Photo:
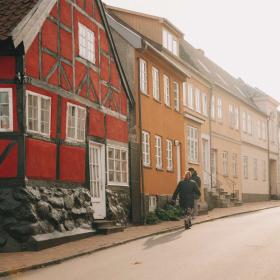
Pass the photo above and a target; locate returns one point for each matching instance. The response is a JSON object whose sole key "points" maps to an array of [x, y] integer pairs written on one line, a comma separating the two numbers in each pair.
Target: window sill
{"points": [[147, 166], [158, 101], [159, 169], [167, 106], [193, 162], [170, 170], [145, 94], [111, 184], [38, 135]]}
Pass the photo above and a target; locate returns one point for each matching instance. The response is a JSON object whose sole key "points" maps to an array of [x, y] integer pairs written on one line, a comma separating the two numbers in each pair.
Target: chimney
{"points": [[200, 51]]}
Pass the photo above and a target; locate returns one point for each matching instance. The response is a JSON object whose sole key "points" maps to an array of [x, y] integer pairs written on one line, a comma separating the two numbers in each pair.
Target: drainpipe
{"points": [[210, 134], [268, 153], [143, 200]]}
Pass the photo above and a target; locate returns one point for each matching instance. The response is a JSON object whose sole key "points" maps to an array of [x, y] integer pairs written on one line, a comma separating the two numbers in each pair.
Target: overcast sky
{"points": [[242, 36]]}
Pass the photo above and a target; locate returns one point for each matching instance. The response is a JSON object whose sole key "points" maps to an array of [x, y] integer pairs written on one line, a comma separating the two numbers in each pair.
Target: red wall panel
{"points": [[115, 77], [65, 13], [96, 123], [117, 129], [104, 44], [40, 159], [49, 35], [8, 168], [104, 65], [66, 48], [72, 164], [8, 67], [32, 59]]}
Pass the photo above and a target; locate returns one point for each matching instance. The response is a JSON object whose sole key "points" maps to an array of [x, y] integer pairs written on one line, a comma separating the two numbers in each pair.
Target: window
{"points": [[117, 165], [86, 43], [255, 169], [146, 148], [190, 96], [197, 101], [166, 87], [244, 121], [185, 94], [158, 150], [259, 129], [249, 124], [192, 144], [204, 105], [169, 152], [143, 76], [6, 109], [231, 116], [234, 165], [263, 131], [155, 76], [236, 120], [176, 96], [170, 42], [245, 167], [38, 113], [213, 107], [225, 163], [264, 170], [76, 122], [152, 203], [219, 108]]}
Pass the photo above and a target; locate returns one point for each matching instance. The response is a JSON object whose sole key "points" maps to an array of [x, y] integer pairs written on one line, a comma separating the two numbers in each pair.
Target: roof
{"points": [[160, 19], [220, 77], [138, 40], [11, 14]]}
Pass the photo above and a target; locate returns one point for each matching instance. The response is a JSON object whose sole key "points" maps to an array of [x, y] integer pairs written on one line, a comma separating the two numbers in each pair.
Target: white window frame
{"points": [[249, 124], [219, 108], [185, 94], [236, 118], [204, 105], [192, 142], [225, 163], [231, 115], [166, 89], [244, 121], [152, 203], [86, 43], [75, 138], [169, 154], [155, 78], [234, 165], [197, 100], [176, 92], [213, 108], [10, 97], [246, 167], [190, 97], [146, 148], [169, 41], [114, 182], [256, 169], [143, 76], [39, 113], [158, 151]]}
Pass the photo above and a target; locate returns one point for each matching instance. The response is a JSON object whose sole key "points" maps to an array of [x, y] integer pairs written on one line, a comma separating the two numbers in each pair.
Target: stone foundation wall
{"points": [[254, 197], [39, 209]]}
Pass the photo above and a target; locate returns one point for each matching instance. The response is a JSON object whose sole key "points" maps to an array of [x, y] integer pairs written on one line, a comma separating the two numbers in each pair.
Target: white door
{"points": [[97, 179], [178, 157]]}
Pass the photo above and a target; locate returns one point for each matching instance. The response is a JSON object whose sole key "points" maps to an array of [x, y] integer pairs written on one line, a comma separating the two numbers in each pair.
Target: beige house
{"points": [[230, 127]]}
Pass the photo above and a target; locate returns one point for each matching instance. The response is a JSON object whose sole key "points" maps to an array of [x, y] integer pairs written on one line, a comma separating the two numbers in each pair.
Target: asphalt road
{"points": [[242, 247]]}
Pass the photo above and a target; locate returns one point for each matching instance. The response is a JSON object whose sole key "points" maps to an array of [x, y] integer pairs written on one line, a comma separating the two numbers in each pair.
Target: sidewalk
{"points": [[15, 262]]}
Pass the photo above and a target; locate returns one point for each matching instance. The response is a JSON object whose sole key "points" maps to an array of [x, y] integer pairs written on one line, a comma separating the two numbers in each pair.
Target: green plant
{"points": [[162, 215], [152, 218]]}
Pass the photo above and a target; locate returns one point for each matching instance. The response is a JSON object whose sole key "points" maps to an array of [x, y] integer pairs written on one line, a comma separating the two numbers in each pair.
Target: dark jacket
{"points": [[187, 189], [197, 179]]}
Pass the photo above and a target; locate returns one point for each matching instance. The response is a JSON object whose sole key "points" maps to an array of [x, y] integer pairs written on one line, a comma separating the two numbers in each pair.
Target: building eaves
{"points": [[12, 13]]}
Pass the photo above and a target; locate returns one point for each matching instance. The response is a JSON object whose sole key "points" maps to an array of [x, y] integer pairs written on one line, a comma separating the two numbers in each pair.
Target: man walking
{"points": [[186, 189], [197, 179]]}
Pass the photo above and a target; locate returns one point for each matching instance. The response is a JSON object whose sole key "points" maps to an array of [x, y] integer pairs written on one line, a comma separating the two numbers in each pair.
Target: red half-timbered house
{"points": [[64, 104]]}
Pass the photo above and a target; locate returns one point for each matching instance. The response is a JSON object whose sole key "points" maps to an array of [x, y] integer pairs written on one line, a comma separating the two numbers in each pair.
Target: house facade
{"points": [[64, 122]]}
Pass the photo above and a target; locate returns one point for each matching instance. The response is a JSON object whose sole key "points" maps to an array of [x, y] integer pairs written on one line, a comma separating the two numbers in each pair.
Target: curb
{"points": [[175, 228]]}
